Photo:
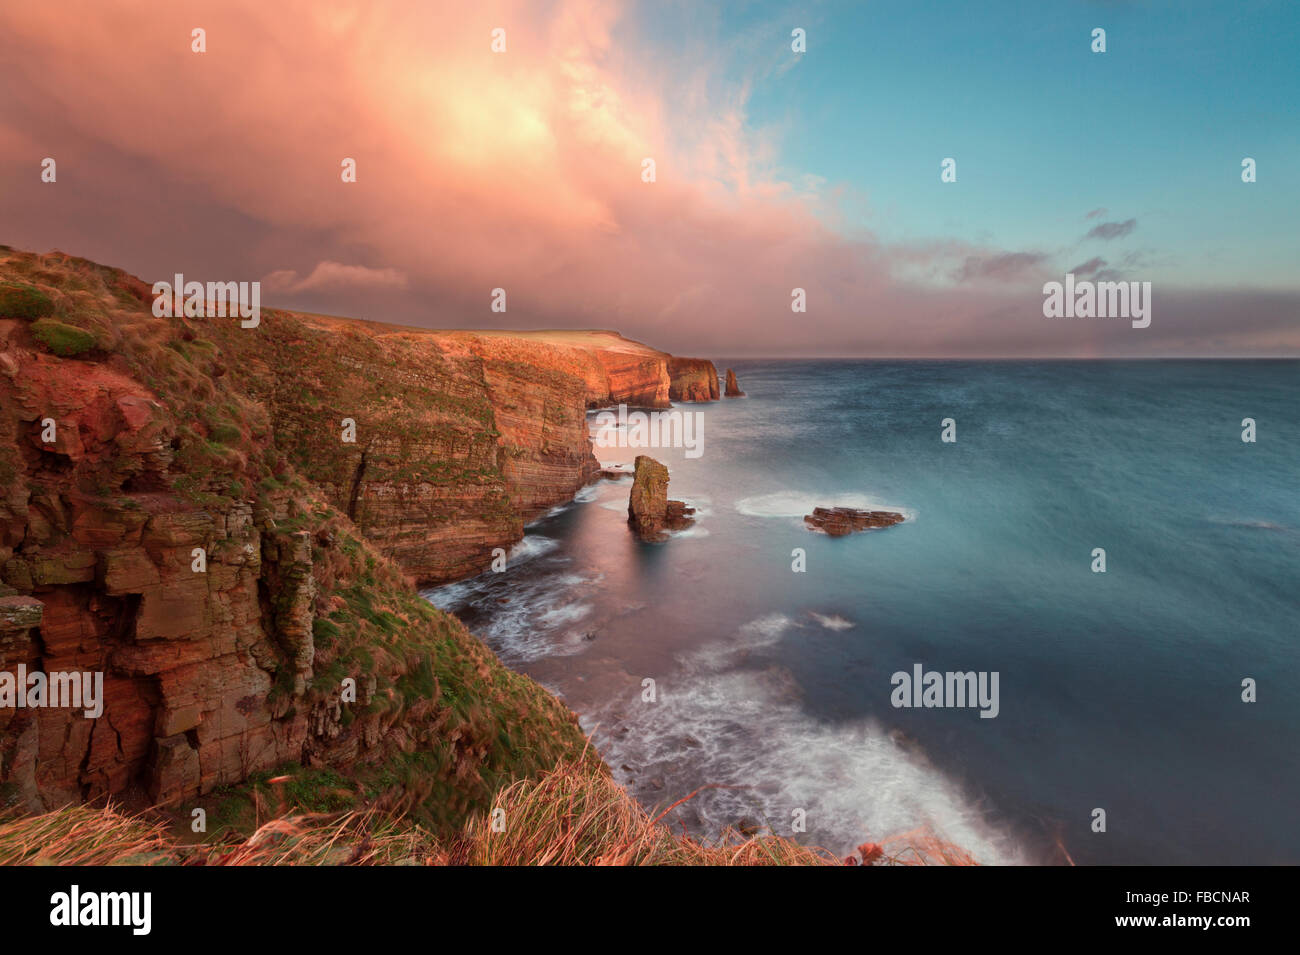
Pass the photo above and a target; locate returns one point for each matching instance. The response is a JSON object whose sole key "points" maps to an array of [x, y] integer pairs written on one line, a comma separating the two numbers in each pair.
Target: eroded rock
{"points": [[649, 510], [839, 521]]}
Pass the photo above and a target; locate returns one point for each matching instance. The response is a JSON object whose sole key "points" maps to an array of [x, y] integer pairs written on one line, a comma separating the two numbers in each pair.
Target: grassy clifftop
{"points": [[300, 643]]}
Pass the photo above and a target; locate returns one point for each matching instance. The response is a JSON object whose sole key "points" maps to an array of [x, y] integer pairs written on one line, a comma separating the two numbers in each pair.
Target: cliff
{"points": [[461, 437], [226, 522]]}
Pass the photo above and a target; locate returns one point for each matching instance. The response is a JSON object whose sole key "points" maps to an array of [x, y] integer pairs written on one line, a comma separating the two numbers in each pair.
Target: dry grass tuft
{"points": [[574, 815], [80, 835]]}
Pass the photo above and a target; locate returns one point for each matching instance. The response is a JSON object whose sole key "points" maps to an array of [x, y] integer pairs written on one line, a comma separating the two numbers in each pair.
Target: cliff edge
{"points": [[228, 523]]}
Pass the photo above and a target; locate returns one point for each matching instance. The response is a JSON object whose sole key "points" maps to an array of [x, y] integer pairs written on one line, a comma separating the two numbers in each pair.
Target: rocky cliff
{"points": [[461, 437], [225, 522]]}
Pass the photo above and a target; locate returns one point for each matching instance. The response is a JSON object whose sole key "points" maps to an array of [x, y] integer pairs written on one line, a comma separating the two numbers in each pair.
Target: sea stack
{"points": [[733, 388], [692, 379], [649, 511]]}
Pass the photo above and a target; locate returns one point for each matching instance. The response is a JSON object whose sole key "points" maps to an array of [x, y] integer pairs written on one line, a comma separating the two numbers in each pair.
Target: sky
{"points": [[774, 170]]}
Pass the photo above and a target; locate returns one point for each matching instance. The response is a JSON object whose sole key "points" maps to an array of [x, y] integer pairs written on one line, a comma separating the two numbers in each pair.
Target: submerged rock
{"points": [[839, 521], [733, 386], [649, 511]]}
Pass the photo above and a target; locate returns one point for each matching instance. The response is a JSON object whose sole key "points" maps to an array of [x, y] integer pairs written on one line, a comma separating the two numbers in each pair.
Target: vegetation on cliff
{"points": [[299, 642], [228, 523], [573, 815]]}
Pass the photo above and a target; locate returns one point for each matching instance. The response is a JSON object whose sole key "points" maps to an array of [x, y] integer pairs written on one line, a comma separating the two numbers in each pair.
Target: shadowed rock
{"points": [[733, 387]]}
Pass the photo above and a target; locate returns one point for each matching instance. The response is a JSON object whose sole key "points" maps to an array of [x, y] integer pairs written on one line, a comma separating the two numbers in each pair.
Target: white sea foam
{"points": [[743, 730], [532, 545], [758, 634], [688, 532], [832, 621], [565, 614]]}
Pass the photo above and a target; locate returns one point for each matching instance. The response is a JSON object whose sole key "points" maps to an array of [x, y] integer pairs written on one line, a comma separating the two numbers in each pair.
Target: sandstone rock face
{"points": [[181, 516], [839, 521], [733, 387], [692, 379], [212, 560], [111, 589], [649, 510], [489, 433]]}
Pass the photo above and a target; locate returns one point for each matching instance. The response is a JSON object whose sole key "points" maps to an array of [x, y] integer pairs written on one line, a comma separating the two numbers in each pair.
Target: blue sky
{"points": [[1043, 129]]}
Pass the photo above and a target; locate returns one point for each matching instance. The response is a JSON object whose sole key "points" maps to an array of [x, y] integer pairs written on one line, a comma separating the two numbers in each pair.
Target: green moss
{"points": [[324, 632], [66, 341], [20, 300], [227, 434]]}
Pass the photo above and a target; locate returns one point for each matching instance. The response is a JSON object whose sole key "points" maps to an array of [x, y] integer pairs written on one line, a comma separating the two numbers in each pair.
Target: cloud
{"points": [[1095, 213], [1095, 268], [475, 171], [1004, 266], [334, 277], [1112, 230]]}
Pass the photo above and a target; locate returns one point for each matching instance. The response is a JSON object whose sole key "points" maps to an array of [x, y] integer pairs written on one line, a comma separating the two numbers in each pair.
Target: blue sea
{"points": [[1120, 691]]}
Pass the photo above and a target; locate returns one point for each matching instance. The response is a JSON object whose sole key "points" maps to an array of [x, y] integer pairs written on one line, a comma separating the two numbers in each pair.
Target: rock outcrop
{"points": [[461, 437], [692, 379], [222, 522], [733, 387], [839, 521], [649, 510]]}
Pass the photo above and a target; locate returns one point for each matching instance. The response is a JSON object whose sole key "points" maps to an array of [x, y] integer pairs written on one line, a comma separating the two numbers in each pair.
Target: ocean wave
{"points": [[564, 614], [532, 545], [757, 634], [832, 621], [689, 532], [744, 733], [587, 494]]}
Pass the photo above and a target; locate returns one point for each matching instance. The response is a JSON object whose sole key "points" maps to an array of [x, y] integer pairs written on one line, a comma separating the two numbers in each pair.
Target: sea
{"points": [[1148, 707]]}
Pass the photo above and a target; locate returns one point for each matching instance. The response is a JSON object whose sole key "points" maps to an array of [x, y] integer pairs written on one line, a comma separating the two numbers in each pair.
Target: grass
{"points": [[21, 300], [573, 815], [66, 341]]}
